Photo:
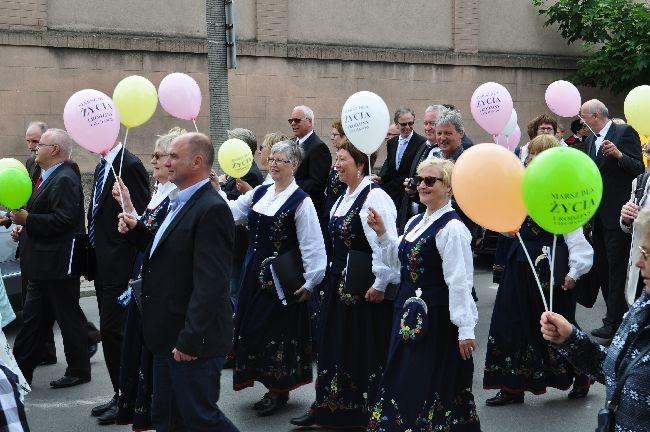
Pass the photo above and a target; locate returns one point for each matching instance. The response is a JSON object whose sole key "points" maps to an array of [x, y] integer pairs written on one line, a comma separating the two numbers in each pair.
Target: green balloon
{"points": [[562, 189], [11, 163], [15, 187]]}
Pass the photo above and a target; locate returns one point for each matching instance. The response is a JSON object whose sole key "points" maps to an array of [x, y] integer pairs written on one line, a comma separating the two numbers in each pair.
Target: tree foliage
{"points": [[616, 35]]}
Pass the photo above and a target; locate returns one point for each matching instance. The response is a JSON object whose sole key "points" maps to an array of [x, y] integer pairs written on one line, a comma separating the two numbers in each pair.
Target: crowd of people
{"points": [[368, 275]]}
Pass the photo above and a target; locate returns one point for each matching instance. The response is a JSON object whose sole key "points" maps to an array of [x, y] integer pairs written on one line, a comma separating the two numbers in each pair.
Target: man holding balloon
{"points": [[616, 150]]}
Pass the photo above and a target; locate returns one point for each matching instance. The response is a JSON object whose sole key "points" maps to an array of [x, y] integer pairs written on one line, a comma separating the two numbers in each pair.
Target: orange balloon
{"points": [[487, 184]]}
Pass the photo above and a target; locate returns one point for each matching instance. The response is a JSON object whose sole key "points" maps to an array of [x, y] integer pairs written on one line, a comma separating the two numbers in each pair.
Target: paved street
{"points": [[69, 409]]}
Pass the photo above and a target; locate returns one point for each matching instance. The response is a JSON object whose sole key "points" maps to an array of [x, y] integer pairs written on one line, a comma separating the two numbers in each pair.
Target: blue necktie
{"points": [[99, 185], [401, 146], [592, 149]]}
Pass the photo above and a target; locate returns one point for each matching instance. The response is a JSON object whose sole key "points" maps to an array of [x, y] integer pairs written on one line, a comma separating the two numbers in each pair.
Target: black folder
{"points": [[359, 276], [289, 271], [79, 264], [136, 292]]}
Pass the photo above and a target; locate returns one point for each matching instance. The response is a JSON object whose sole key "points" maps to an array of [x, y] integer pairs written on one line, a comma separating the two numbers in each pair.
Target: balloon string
{"points": [[126, 135], [532, 267], [195, 127], [585, 123], [118, 187], [552, 262]]}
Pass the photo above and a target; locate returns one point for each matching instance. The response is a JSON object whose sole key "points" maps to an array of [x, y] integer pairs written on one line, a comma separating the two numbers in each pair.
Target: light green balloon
{"points": [[562, 189], [15, 187], [11, 163]]}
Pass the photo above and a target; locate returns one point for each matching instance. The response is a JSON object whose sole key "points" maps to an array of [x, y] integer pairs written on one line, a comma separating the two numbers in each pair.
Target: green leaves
{"points": [[616, 35]]}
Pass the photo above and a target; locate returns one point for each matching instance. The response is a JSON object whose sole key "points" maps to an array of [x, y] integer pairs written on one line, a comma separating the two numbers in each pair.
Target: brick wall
{"points": [[23, 14], [272, 25], [466, 26]]}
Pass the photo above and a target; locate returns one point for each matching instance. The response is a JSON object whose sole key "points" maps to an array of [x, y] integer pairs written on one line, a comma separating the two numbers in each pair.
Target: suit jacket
{"points": [[114, 255], [46, 241], [314, 169], [617, 176], [393, 181], [185, 300], [33, 169], [405, 211]]}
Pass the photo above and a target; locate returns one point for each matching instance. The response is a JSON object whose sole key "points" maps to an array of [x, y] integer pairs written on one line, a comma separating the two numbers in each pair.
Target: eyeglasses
{"points": [[544, 129], [429, 181], [406, 124], [42, 144], [644, 254], [157, 156], [334, 135], [273, 161], [295, 120]]}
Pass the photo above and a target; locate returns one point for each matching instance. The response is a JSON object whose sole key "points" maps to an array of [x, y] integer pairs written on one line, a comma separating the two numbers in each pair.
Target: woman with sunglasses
{"points": [[272, 339], [136, 380], [354, 326], [427, 383], [518, 359]]}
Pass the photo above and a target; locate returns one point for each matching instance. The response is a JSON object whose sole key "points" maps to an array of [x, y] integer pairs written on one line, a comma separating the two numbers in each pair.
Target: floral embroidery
{"points": [[340, 392], [272, 362], [345, 232], [347, 298], [406, 331], [414, 264], [278, 231], [335, 184]]}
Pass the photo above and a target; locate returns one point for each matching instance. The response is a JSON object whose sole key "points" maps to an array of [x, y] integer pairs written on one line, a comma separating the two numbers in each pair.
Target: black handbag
{"points": [[607, 415]]}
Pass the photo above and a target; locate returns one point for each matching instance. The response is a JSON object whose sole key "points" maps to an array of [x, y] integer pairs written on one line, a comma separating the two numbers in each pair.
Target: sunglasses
{"points": [[643, 253], [406, 124], [295, 120], [429, 181], [157, 156]]}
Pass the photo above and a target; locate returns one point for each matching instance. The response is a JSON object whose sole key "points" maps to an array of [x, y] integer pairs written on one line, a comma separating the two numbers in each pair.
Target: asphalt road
{"points": [[69, 409]]}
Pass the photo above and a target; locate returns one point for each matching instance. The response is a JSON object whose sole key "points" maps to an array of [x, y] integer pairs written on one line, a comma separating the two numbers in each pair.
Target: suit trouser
{"points": [[611, 253], [46, 302], [185, 395], [112, 317]]}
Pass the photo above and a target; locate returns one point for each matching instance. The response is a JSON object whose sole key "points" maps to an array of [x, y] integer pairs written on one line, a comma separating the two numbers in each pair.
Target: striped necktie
{"points": [[99, 186]]}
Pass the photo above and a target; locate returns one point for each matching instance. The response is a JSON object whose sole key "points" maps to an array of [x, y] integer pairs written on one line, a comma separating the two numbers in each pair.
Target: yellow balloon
{"points": [[637, 109], [487, 183], [136, 100], [235, 157], [12, 163]]}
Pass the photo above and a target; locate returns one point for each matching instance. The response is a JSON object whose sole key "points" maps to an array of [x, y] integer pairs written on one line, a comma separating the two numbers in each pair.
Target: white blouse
{"points": [[310, 236], [581, 254], [382, 204], [454, 245], [161, 192]]}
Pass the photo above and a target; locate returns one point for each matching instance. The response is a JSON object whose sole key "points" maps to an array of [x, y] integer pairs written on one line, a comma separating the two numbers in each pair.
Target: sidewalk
{"points": [[87, 288]]}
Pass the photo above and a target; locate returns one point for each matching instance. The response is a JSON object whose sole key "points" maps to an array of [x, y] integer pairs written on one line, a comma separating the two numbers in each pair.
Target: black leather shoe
{"points": [[504, 398], [68, 381], [101, 409], [580, 387], [274, 402], [109, 416], [92, 350], [305, 420], [261, 403], [604, 332]]}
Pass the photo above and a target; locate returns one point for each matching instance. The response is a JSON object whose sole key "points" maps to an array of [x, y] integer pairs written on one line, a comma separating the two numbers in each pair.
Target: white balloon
{"points": [[511, 125], [365, 119]]}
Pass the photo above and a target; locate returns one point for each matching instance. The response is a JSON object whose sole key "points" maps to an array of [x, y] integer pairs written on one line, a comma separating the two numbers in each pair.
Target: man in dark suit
{"points": [[230, 186], [186, 312], [400, 152], [616, 149], [49, 223], [410, 205], [112, 257], [311, 175], [33, 135]]}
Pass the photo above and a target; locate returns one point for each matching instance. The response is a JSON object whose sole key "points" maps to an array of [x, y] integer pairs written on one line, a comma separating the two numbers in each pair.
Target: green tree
{"points": [[615, 34]]}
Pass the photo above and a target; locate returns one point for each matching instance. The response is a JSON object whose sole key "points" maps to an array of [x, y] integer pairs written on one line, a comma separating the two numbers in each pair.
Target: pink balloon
{"points": [[91, 120], [491, 107], [563, 98], [180, 96], [511, 141]]}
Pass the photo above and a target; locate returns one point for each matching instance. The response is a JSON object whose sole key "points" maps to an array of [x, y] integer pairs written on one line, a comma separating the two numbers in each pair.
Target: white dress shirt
{"points": [[453, 243]]}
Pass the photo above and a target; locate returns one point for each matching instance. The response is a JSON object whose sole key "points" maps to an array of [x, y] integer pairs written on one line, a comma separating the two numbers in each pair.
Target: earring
{"points": [[358, 173]]}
